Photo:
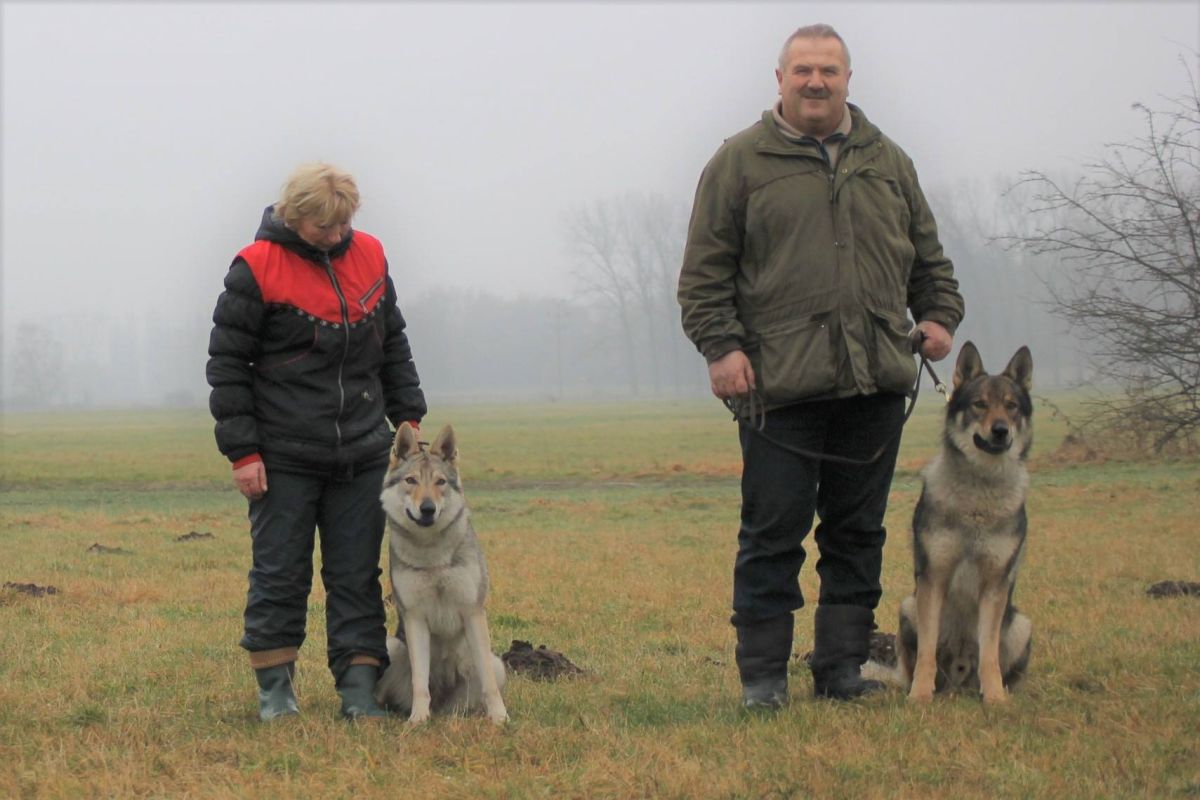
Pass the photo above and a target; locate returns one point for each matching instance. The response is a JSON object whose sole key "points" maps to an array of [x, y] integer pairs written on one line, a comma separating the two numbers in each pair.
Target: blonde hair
{"points": [[818, 31], [318, 192]]}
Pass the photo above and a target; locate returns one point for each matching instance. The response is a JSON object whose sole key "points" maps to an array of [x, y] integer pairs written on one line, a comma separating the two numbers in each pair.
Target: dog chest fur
{"points": [[440, 595]]}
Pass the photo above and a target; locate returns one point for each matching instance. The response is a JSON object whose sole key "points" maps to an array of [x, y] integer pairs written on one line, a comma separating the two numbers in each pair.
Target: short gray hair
{"points": [[818, 31]]}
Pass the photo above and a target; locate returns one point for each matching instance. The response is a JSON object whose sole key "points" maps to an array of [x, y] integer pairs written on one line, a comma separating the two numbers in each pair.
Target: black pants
{"points": [[782, 491], [346, 510]]}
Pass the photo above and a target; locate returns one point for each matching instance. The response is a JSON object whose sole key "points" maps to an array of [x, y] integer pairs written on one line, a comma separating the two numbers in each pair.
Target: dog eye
{"points": [[441, 481], [979, 404], [411, 481]]}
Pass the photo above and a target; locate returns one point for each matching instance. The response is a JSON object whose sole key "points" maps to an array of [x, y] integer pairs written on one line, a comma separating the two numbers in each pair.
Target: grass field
{"points": [[610, 533]]}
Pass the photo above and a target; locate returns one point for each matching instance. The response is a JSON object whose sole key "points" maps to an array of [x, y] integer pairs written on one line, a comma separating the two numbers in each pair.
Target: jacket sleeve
{"points": [[403, 398], [711, 259], [932, 288], [233, 348]]}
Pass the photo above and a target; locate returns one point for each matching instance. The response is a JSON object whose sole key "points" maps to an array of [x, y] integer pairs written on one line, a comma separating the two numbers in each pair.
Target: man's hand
{"points": [[251, 480], [935, 345], [731, 375]]}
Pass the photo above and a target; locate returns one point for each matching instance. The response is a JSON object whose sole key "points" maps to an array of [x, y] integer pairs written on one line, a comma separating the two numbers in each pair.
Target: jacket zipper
{"points": [[345, 349]]}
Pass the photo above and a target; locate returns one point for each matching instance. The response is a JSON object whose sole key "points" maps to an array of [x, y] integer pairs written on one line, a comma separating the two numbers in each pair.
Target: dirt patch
{"points": [[101, 549], [1174, 589], [883, 650], [30, 589], [192, 536], [540, 663]]}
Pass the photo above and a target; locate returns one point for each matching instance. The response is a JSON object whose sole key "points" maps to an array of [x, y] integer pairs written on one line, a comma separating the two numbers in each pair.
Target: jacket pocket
{"points": [[879, 204], [891, 355], [364, 302], [793, 359], [290, 358]]}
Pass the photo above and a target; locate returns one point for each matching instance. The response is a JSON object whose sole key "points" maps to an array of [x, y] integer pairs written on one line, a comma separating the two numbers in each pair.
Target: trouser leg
{"points": [[851, 503], [282, 524], [852, 499], [778, 499], [351, 522]]}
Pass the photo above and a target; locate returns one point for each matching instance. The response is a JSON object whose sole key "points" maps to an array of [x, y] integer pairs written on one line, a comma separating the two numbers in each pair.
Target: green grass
{"points": [[610, 533]]}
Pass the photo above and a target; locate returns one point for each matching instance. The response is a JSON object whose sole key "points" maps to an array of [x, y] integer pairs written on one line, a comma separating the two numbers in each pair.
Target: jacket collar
{"points": [[272, 229], [773, 141]]}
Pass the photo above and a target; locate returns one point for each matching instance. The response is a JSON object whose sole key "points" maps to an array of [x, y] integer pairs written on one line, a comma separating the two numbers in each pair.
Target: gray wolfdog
{"points": [[439, 579], [960, 630]]}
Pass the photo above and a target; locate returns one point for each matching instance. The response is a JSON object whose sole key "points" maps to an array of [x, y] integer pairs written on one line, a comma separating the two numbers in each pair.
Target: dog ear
{"points": [[1020, 368], [404, 445], [445, 445], [969, 365]]}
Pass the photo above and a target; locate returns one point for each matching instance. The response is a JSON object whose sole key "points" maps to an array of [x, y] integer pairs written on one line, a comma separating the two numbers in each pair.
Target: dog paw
{"points": [[417, 717], [920, 696], [995, 698]]}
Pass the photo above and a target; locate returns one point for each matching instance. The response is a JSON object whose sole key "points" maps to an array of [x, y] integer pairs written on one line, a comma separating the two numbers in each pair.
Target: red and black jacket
{"points": [[308, 354]]}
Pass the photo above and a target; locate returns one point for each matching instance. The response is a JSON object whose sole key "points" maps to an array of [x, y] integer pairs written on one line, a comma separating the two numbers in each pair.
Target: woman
{"points": [[308, 360]]}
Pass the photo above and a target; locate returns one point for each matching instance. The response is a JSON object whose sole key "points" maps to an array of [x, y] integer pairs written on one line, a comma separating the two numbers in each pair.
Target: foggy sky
{"points": [[141, 141]]}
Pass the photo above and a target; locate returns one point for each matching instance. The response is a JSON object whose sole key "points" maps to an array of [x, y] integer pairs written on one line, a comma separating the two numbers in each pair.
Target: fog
{"points": [[141, 142]]}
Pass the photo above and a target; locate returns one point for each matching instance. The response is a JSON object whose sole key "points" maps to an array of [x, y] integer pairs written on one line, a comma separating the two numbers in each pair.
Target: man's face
{"points": [[322, 237], [813, 85]]}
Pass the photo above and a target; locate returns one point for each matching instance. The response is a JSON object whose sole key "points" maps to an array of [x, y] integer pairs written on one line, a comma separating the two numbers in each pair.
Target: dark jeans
{"points": [[781, 492], [346, 510]]}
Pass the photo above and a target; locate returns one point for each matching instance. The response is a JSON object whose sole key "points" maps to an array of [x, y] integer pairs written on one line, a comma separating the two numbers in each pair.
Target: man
{"points": [[809, 240]]}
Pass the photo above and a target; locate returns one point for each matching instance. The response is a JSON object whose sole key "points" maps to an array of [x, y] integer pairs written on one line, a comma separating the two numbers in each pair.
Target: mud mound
{"points": [[1174, 589], [883, 650], [106, 550], [540, 664], [192, 536], [31, 589]]}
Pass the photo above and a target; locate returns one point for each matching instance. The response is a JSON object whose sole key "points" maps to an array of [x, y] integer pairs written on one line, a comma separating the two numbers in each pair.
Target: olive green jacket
{"points": [[810, 269]]}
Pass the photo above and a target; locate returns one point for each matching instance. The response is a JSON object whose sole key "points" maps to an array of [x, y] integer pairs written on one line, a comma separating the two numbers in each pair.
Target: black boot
{"points": [[357, 690], [841, 645], [763, 650], [276, 698]]}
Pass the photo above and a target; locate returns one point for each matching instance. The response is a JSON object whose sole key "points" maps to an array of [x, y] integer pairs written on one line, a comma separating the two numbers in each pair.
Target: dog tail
{"points": [[875, 671]]}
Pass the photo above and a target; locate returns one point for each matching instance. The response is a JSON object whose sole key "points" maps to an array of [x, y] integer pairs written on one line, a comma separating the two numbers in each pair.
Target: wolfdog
{"points": [[444, 662], [960, 630]]}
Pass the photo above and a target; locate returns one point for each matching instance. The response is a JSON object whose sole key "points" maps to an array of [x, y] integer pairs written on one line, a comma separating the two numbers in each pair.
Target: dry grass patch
{"points": [[129, 682]]}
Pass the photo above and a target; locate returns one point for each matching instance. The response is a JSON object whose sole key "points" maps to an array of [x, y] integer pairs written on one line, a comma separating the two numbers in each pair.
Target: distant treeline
{"points": [[618, 338]]}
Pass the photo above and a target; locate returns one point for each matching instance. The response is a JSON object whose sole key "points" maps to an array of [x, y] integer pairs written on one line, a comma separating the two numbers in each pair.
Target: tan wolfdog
{"points": [[444, 663]]}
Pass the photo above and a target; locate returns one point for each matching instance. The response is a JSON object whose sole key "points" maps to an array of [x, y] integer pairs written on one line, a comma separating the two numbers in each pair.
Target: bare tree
{"points": [[37, 367], [627, 251], [596, 239], [662, 228], [652, 235], [1127, 235]]}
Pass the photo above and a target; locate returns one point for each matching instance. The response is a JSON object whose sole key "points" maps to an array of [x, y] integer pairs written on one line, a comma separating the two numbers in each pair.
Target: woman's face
{"points": [[322, 237]]}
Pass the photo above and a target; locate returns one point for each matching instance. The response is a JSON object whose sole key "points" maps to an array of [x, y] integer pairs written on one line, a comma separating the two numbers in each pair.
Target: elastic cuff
{"points": [[244, 460], [945, 322], [718, 351], [261, 659]]}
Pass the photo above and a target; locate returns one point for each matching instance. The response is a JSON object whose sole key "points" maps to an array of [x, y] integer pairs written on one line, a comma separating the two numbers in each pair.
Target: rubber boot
{"points": [[763, 650], [841, 645], [357, 690], [276, 697]]}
